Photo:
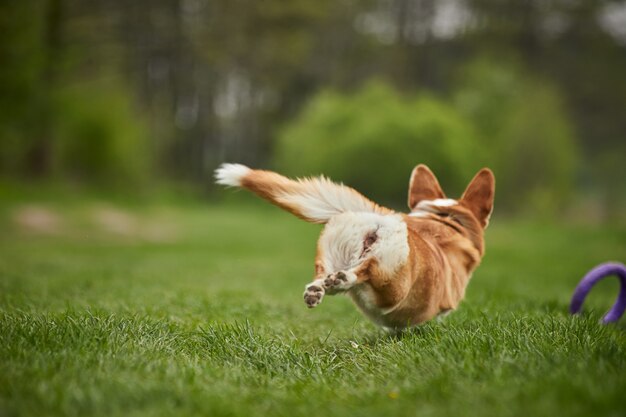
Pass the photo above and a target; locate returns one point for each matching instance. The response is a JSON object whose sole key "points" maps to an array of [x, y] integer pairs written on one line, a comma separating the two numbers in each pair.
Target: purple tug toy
{"points": [[589, 280]]}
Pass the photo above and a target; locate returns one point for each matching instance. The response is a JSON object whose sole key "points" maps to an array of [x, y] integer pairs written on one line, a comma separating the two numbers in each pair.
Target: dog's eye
{"points": [[442, 214]]}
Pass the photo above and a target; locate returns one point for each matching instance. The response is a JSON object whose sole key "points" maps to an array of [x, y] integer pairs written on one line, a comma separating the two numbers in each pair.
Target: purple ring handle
{"points": [[589, 280]]}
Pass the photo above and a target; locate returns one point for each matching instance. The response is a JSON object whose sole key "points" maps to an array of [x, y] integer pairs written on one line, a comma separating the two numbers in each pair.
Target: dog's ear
{"points": [[479, 194], [423, 186]]}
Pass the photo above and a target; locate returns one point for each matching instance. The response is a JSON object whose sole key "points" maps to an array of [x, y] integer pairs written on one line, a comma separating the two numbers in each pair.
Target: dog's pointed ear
{"points": [[479, 194], [423, 186]]}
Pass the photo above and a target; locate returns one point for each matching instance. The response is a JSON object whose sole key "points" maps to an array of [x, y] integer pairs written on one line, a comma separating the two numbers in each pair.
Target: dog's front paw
{"points": [[313, 295]]}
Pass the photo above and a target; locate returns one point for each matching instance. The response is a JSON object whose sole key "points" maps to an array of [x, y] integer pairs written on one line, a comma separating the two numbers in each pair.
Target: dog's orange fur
{"points": [[445, 243], [272, 186]]}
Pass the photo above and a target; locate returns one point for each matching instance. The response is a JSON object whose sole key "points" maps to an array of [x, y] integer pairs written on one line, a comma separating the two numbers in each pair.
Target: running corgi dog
{"points": [[399, 269]]}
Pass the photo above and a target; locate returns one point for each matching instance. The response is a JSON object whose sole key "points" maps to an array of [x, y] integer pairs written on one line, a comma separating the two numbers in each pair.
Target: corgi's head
{"points": [[471, 212], [426, 195]]}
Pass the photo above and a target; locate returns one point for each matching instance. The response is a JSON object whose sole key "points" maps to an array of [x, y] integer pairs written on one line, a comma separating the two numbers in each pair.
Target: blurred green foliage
{"points": [[498, 118], [54, 123], [372, 140], [100, 136], [525, 134], [93, 134], [23, 72], [191, 84]]}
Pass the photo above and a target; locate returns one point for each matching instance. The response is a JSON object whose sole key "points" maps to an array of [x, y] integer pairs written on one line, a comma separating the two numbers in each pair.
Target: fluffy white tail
{"points": [[315, 200]]}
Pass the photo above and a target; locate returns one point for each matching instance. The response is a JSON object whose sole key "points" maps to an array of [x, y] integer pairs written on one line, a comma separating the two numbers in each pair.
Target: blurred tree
{"points": [[217, 78], [580, 47], [100, 137], [23, 69], [525, 134], [374, 138]]}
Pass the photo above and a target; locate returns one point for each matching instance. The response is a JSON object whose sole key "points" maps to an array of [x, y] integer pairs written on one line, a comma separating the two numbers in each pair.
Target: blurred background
{"points": [[139, 96]]}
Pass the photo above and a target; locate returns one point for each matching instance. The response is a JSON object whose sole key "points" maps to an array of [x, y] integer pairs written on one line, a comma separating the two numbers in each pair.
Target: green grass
{"points": [[198, 311]]}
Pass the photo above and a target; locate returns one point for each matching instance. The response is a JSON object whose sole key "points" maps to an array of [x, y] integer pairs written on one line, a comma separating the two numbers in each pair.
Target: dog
{"points": [[400, 269]]}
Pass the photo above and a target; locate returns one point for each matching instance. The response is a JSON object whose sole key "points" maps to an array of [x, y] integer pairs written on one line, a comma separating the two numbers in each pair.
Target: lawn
{"points": [[196, 309]]}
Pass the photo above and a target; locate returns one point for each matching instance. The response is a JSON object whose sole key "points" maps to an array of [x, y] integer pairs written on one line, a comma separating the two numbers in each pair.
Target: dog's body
{"points": [[401, 270]]}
